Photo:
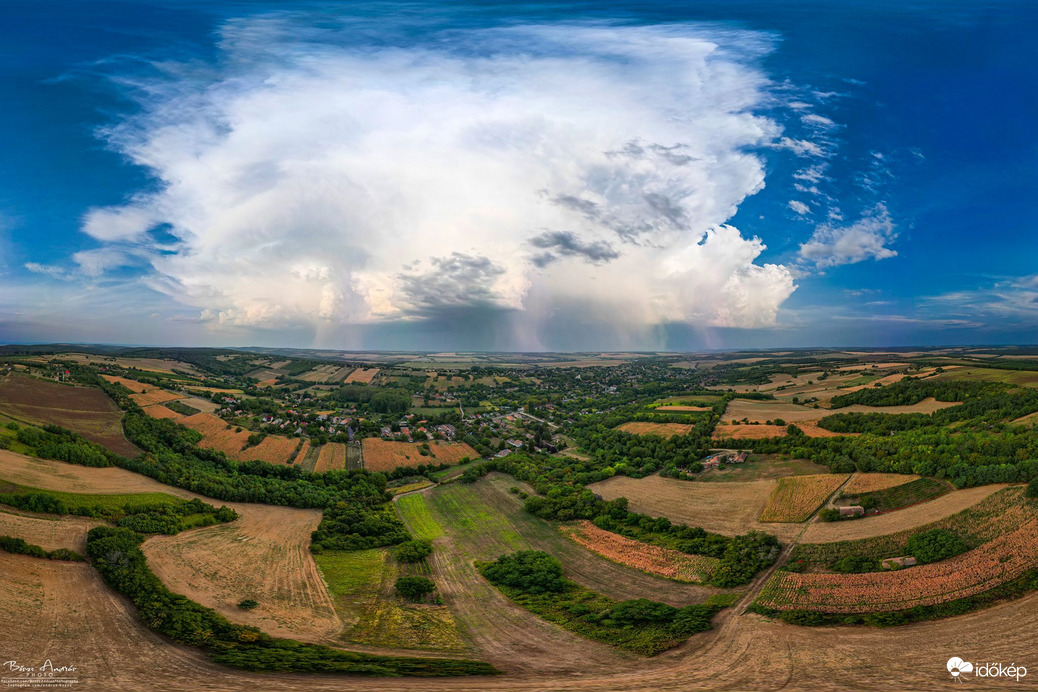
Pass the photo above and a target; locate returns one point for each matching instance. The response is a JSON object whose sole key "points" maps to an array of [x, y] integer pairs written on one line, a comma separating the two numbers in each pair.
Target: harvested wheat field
{"points": [[361, 376], [332, 456], [871, 482], [729, 508], [907, 518], [160, 411], [812, 429], [748, 432], [84, 410], [66, 610], [264, 555], [144, 394], [660, 429], [796, 498], [304, 449], [219, 435], [48, 532], [57, 475], [384, 455], [662, 562], [680, 409]]}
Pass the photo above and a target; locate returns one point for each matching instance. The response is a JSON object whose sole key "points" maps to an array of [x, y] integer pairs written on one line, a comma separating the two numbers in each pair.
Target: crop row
{"points": [[982, 569], [796, 498], [648, 558]]}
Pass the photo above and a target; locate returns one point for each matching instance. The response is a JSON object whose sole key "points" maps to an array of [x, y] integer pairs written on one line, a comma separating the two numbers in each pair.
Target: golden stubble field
{"points": [[728, 508]]}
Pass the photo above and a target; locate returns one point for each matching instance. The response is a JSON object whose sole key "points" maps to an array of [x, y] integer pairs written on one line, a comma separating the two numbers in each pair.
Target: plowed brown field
{"points": [[660, 429], [85, 410]]}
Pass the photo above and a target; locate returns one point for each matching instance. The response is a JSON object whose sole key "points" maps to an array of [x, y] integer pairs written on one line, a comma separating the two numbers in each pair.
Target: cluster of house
{"points": [[448, 431], [715, 460]]}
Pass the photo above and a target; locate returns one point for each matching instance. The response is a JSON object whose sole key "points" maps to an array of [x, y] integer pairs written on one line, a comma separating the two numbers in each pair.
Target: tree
{"points": [[414, 588], [531, 571], [934, 545], [413, 551]]}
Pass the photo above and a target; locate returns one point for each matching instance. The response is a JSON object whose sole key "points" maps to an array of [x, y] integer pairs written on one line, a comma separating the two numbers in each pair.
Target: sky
{"points": [[519, 176]]}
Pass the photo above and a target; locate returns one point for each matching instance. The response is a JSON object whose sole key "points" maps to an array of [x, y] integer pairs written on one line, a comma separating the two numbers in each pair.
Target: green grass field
{"points": [[1023, 378], [414, 512], [353, 580]]}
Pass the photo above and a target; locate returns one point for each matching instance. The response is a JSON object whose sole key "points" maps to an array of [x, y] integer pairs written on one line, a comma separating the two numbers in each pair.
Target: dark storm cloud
{"points": [[459, 280], [566, 244]]}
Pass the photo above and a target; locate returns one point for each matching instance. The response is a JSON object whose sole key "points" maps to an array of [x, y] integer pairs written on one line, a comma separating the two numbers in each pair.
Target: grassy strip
{"points": [[415, 512], [18, 546], [960, 606], [142, 512], [117, 556], [904, 495], [181, 408]]}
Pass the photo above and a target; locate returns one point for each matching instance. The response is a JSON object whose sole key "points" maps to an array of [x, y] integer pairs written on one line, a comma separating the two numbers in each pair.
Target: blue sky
{"points": [[518, 176]]}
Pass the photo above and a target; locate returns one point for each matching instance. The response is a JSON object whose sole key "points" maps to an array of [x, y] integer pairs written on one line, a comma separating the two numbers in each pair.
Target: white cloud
{"points": [[799, 207], [865, 239], [50, 270], [801, 147], [309, 180], [815, 120]]}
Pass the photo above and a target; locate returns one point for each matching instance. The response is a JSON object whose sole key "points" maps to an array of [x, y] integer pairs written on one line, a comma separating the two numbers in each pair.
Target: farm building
{"points": [[907, 561], [852, 511]]}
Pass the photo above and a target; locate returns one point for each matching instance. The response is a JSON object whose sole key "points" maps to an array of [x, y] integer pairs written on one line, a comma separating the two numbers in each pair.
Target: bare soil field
{"points": [[84, 410], [383, 455], [361, 376], [892, 522], [332, 456], [264, 555], [727, 508], [50, 533], [748, 432], [680, 409], [660, 429], [871, 482]]}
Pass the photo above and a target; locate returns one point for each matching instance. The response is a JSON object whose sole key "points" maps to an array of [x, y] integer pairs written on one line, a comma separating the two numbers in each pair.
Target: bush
{"points": [[248, 604], [413, 551], [935, 545], [855, 565], [829, 514], [1032, 489], [414, 588], [531, 571]]}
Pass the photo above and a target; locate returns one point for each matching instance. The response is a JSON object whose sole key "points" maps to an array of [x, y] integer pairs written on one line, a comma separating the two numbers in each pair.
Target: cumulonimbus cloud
{"points": [[307, 177]]}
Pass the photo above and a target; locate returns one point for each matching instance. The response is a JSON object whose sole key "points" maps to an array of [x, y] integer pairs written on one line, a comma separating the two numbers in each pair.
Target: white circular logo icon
{"points": [[956, 666]]}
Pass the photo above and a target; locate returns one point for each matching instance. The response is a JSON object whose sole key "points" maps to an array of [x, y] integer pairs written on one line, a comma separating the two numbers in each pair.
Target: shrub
{"points": [[248, 603], [414, 588], [934, 545], [829, 514], [1032, 489], [852, 564], [413, 551]]}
